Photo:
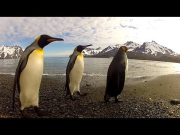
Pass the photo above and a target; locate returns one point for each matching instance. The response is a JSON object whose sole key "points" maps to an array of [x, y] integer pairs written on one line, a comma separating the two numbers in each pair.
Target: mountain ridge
{"points": [[10, 52], [146, 51]]}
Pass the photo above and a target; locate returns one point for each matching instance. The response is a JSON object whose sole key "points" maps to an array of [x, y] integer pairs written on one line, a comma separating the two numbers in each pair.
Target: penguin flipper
{"points": [[115, 83], [68, 69], [121, 82], [21, 65]]}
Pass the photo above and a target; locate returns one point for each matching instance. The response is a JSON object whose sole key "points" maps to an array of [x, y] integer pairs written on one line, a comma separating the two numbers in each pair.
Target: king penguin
{"points": [[29, 74], [74, 72], [116, 74]]}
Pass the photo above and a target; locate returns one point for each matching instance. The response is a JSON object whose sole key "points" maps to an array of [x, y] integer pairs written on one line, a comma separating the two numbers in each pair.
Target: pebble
{"points": [[88, 84], [175, 101], [63, 105], [80, 116], [55, 100], [11, 113], [171, 113]]}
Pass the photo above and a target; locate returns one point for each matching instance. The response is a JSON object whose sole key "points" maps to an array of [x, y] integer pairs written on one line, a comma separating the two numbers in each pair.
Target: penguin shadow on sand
{"points": [[29, 74], [116, 75], [74, 73]]}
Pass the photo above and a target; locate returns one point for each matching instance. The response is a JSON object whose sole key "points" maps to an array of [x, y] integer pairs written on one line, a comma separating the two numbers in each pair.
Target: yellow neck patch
{"points": [[38, 39], [80, 55], [39, 51]]}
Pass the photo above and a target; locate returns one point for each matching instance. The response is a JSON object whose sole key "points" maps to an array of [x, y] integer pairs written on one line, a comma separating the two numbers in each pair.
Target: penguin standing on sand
{"points": [[116, 74], [29, 74], [74, 72]]}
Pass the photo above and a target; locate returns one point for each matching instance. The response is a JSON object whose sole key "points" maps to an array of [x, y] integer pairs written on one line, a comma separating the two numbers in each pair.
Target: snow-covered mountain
{"points": [[10, 52], [153, 48], [109, 48], [132, 45], [146, 51], [147, 48], [91, 51]]}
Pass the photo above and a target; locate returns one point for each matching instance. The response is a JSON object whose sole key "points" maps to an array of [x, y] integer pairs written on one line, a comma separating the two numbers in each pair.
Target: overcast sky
{"points": [[99, 31]]}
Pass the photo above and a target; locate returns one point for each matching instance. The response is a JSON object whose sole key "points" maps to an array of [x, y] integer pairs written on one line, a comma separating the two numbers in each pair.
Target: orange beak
{"points": [[86, 46], [55, 39]]}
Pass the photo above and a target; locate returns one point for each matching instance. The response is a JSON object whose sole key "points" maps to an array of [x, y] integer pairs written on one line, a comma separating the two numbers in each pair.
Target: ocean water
{"points": [[98, 67]]}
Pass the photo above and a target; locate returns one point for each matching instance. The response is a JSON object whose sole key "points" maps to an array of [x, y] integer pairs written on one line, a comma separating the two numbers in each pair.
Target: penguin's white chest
{"points": [[77, 70], [30, 79]]}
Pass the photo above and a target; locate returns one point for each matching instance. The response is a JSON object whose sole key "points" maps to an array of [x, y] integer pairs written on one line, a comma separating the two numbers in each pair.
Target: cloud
{"points": [[72, 29], [125, 26], [99, 31]]}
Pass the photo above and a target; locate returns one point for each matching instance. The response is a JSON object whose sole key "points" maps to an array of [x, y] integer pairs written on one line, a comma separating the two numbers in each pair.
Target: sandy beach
{"points": [[146, 98]]}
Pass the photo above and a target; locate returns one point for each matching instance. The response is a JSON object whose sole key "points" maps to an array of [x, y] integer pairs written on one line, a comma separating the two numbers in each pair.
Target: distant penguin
{"points": [[74, 72], [116, 74], [29, 74]]}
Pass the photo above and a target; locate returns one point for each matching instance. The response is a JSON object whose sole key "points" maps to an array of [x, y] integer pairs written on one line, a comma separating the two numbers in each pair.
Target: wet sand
{"points": [[139, 99]]}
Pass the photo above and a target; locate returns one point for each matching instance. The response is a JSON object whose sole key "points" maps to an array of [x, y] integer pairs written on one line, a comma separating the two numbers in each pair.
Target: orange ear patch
{"points": [[75, 48], [38, 39], [123, 48]]}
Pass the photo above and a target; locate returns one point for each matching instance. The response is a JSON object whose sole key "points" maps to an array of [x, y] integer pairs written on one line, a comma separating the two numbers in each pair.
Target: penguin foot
{"points": [[67, 97], [117, 101], [74, 98], [81, 94], [25, 115], [106, 102], [106, 98], [40, 112]]}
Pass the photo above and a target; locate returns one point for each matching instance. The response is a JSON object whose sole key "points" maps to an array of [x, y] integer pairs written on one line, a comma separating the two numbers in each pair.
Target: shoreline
{"points": [[128, 79], [142, 99]]}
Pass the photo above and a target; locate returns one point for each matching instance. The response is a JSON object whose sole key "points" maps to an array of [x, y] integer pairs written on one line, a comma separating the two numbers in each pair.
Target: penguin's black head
{"points": [[44, 40], [124, 48], [79, 48]]}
